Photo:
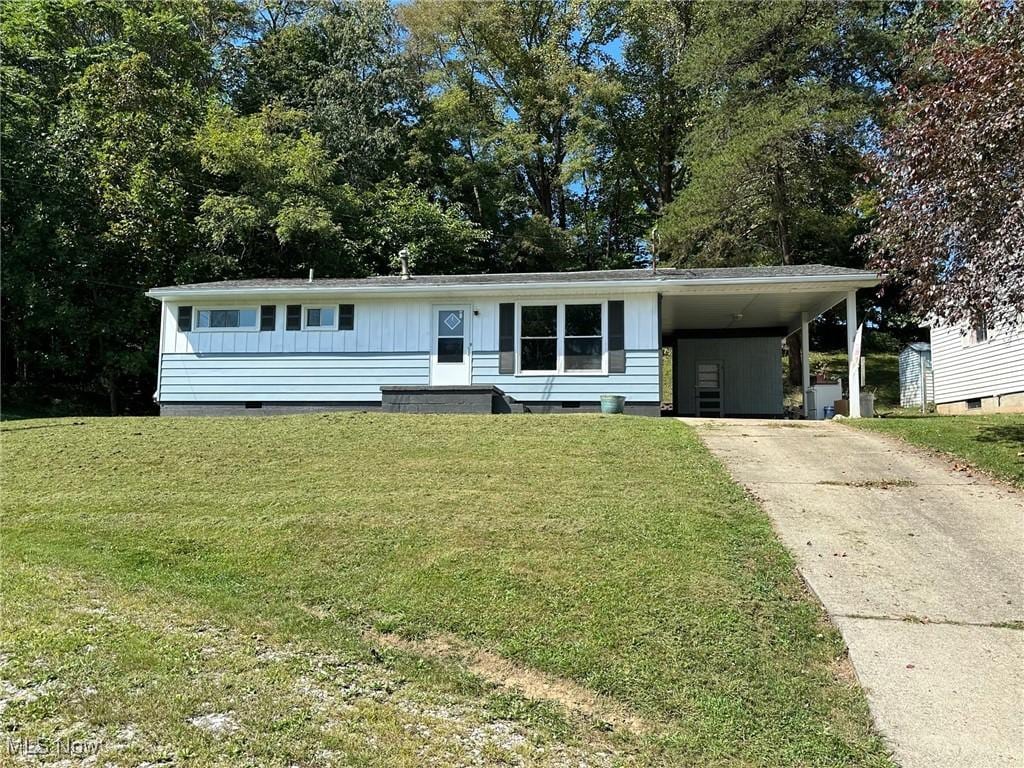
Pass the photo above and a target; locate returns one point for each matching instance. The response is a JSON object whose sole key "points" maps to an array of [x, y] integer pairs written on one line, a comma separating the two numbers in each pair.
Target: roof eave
{"points": [[631, 285]]}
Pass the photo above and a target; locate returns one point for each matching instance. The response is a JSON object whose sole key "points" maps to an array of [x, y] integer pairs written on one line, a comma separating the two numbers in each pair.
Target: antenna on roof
{"points": [[654, 249], [311, 274], [403, 259]]}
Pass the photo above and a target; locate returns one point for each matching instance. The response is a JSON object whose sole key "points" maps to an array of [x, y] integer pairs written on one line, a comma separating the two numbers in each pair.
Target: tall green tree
{"points": [[100, 101], [787, 93], [339, 63], [513, 82]]}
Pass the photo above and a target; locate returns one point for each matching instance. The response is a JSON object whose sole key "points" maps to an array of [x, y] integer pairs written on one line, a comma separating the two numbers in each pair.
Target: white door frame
{"points": [[451, 374]]}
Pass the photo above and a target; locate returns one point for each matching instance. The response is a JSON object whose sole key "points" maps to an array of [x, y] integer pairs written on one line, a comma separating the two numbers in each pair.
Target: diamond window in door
{"points": [[449, 322], [450, 336]]}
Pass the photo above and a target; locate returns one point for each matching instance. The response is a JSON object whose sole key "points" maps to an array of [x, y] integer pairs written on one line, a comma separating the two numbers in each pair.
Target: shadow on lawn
{"points": [[1011, 434]]}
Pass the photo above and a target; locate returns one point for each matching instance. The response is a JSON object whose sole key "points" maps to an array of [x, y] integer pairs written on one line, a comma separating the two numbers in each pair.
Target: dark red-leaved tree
{"points": [[950, 223]]}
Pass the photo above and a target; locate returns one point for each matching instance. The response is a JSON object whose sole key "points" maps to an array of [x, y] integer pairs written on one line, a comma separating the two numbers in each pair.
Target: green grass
{"points": [[882, 376], [993, 443], [161, 570]]}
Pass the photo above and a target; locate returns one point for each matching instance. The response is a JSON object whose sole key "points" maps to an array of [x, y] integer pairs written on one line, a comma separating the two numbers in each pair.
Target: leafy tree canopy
{"points": [[950, 208]]}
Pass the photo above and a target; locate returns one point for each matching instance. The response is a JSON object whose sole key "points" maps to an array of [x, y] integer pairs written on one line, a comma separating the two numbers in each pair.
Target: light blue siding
{"points": [[339, 377], [389, 346], [639, 384]]}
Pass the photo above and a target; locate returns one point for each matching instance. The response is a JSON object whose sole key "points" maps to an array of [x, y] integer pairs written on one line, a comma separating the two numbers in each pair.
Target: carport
{"points": [[725, 334]]}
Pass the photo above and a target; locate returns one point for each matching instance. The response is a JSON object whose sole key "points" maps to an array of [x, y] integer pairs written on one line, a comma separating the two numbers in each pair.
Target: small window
{"points": [[538, 338], [319, 318], [226, 318], [184, 319], [346, 317], [268, 317], [978, 333], [583, 338], [974, 404]]}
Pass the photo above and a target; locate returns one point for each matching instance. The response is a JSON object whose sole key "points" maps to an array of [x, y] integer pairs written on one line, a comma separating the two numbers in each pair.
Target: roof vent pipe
{"points": [[403, 259], [311, 274]]}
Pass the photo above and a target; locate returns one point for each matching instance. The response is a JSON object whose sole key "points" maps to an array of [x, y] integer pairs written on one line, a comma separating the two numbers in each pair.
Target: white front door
{"points": [[449, 356]]}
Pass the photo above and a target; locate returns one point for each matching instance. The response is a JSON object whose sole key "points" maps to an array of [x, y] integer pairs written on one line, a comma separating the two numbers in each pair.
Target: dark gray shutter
{"points": [[616, 337], [268, 317], [346, 317], [293, 318], [507, 338], [184, 319]]}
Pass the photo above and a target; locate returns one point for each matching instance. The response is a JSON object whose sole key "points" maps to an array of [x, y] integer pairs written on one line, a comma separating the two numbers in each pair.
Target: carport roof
{"points": [[625, 277]]}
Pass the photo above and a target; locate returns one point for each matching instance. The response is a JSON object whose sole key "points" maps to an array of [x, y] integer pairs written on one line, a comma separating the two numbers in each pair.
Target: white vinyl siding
{"points": [[965, 371]]}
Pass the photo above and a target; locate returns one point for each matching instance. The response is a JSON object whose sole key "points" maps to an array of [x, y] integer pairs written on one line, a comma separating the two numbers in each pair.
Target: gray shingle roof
{"points": [[666, 274]]}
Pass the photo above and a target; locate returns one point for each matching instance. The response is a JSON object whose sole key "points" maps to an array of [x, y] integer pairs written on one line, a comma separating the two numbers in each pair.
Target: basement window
{"points": [[974, 404]]}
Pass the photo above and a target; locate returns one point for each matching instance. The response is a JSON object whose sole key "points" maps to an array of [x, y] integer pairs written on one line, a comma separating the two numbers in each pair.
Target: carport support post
{"points": [[805, 358], [853, 356]]}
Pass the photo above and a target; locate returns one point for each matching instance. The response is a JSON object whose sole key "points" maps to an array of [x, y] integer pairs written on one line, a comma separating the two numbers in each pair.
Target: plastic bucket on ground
{"points": [[612, 403], [829, 411]]}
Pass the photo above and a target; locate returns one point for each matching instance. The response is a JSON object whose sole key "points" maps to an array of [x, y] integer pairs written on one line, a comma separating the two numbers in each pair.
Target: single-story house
{"points": [[536, 342], [978, 369]]}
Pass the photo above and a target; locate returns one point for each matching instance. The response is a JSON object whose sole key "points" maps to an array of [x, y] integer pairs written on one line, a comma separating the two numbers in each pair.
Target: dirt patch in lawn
{"points": [[530, 683], [895, 482]]}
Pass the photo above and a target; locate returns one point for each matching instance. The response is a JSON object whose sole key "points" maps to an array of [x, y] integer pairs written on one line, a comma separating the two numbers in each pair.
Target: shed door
{"points": [[709, 388], [450, 352]]}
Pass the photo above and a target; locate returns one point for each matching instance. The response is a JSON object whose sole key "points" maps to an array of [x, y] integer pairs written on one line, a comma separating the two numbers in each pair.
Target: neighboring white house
{"points": [[917, 381], [531, 342], [978, 369]]}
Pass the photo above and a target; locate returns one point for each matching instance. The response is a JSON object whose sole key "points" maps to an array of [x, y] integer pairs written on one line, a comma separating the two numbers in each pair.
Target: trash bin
{"points": [[612, 403], [829, 411]]}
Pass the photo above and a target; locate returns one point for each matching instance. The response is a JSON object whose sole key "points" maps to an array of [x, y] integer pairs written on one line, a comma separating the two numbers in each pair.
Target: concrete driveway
{"points": [[922, 569]]}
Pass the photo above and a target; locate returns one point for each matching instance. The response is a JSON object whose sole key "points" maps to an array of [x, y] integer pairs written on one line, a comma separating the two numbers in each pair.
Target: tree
{"points": [[272, 205], [100, 101], [338, 63], [786, 96], [512, 84], [949, 229]]}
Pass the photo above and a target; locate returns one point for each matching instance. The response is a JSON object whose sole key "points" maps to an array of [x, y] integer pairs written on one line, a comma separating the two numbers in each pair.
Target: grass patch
{"points": [[882, 376], [203, 590], [993, 443]]}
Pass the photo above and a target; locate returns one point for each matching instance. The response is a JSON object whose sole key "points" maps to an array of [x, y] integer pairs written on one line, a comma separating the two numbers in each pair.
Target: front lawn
{"points": [[994, 443], [271, 591]]}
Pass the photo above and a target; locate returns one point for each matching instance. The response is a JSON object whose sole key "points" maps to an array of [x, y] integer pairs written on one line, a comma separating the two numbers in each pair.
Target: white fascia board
{"points": [[666, 285]]}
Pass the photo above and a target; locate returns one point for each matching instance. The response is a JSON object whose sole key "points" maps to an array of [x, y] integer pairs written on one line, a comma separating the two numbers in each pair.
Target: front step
{"points": [[447, 399]]}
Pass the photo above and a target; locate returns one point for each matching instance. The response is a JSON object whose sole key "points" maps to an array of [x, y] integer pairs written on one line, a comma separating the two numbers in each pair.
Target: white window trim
{"points": [[560, 306], [332, 327], [237, 329]]}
